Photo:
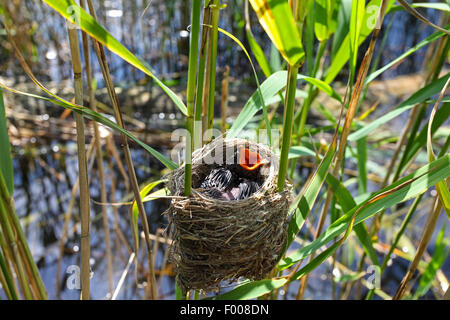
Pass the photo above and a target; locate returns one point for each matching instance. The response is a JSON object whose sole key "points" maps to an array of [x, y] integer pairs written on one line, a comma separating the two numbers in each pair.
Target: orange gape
{"points": [[250, 160]]}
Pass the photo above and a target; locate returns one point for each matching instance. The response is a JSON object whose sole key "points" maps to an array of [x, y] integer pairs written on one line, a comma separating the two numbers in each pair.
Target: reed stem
{"points": [[82, 166], [355, 95], [100, 52], [198, 121], [224, 100], [13, 247], [425, 239], [192, 73], [6, 280], [67, 218], [287, 125], [99, 156], [20, 239], [212, 67]]}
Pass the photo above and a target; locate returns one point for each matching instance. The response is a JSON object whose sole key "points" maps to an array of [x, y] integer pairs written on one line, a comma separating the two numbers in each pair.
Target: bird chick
{"points": [[236, 181]]}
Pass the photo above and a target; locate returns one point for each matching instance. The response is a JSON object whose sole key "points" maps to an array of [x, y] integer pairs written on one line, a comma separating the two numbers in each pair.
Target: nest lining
{"points": [[217, 240]]}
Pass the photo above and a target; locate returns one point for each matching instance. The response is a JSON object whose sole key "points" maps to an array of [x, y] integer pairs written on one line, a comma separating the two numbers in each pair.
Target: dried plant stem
{"points": [[67, 218], [207, 83], [413, 122], [224, 100], [347, 125], [111, 147], [82, 166], [117, 230], [425, 239], [99, 156], [212, 60], [6, 279], [99, 50], [12, 245]]}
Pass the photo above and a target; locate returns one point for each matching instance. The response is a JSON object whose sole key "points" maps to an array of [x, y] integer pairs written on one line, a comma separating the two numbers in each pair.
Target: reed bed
{"points": [[352, 212]]}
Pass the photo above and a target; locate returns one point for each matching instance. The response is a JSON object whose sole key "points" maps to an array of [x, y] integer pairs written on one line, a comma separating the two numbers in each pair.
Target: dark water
{"points": [[42, 197], [158, 35]]}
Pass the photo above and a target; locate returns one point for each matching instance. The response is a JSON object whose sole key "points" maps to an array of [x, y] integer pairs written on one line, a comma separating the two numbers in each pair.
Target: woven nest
{"points": [[217, 240]]}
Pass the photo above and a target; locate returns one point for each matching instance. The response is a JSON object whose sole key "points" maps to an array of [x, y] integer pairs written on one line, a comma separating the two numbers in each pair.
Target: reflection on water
{"points": [[157, 32], [46, 168]]}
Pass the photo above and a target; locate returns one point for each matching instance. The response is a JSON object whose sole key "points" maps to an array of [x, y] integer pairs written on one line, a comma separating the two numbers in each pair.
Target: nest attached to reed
{"points": [[217, 240]]}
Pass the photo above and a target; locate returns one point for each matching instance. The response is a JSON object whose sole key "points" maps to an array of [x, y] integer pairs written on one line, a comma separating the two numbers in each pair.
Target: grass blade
{"points": [[6, 167], [75, 14], [343, 53], [347, 203], [254, 46], [441, 187], [400, 191], [416, 14], [305, 202], [88, 113], [263, 105], [356, 20], [270, 87], [418, 97], [427, 41]]}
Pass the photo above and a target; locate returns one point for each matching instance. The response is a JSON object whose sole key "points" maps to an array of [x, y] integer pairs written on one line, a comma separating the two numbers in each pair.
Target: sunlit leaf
{"points": [[277, 20]]}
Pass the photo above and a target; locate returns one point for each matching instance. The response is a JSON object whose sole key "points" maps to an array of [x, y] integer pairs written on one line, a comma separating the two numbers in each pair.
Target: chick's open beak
{"points": [[250, 160]]}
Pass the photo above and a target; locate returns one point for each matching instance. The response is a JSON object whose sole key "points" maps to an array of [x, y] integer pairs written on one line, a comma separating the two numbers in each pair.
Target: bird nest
{"points": [[217, 240]]}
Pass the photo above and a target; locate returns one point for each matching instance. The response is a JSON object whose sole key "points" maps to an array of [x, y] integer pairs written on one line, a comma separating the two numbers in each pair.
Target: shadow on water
{"points": [[45, 166]]}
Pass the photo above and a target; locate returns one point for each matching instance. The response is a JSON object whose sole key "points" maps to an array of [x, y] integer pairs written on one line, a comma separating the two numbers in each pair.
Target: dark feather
{"points": [[246, 189], [219, 178]]}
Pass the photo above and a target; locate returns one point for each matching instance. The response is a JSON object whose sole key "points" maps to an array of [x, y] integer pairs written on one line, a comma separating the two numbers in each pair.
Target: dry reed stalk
{"points": [[412, 119], [434, 215], [206, 43], [82, 166], [99, 156], [8, 201], [425, 239], [119, 234], [413, 114], [100, 52], [111, 147], [13, 252], [224, 99], [67, 218], [359, 85]]}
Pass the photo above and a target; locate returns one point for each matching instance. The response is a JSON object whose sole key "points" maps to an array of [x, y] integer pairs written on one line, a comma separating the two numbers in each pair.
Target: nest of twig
{"points": [[217, 240]]}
